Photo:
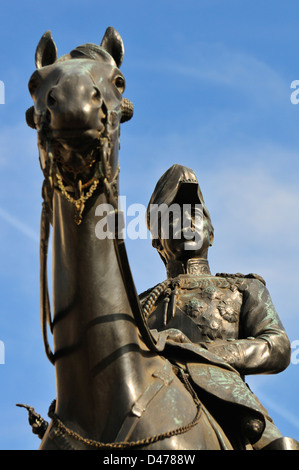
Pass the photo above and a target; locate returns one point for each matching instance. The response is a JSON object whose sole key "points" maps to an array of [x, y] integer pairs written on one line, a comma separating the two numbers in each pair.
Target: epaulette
{"points": [[243, 276]]}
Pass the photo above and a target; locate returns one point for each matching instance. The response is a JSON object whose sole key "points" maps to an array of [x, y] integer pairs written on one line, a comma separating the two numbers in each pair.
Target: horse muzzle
{"points": [[76, 112], [79, 134]]}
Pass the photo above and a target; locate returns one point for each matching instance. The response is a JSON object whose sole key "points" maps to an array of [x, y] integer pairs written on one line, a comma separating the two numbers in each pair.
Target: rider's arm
{"points": [[264, 347]]}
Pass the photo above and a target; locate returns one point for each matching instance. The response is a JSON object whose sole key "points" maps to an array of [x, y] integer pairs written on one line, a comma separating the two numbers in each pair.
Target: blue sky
{"points": [[210, 82]]}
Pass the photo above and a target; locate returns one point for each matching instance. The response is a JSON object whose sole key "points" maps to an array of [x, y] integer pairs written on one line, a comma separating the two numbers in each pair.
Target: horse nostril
{"points": [[51, 100], [96, 95]]}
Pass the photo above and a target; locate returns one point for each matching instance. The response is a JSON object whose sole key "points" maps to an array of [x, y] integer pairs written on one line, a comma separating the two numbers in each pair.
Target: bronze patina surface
{"points": [[119, 384]]}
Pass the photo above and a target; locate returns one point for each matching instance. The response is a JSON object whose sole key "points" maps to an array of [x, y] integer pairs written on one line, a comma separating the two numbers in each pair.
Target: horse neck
{"points": [[99, 357]]}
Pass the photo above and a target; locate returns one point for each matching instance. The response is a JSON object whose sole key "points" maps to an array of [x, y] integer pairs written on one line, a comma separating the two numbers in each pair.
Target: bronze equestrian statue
{"points": [[115, 387], [231, 316]]}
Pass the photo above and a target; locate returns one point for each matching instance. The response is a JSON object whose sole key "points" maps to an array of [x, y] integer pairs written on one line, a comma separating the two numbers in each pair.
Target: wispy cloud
{"points": [[19, 225], [257, 203], [220, 65]]}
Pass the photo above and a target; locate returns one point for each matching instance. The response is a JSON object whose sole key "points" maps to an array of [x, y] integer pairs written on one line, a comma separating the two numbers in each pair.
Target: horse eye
{"points": [[119, 82]]}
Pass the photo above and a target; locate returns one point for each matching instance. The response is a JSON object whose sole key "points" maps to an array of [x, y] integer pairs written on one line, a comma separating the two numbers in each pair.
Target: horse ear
{"points": [[113, 44], [46, 51]]}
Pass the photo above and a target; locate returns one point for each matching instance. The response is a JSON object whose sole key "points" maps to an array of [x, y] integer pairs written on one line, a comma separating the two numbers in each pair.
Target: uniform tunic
{"points": [[231, 330], [233, 317]]}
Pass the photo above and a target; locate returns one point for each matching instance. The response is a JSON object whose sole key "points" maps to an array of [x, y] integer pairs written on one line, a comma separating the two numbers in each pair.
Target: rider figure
{"points": [[215, 328]]}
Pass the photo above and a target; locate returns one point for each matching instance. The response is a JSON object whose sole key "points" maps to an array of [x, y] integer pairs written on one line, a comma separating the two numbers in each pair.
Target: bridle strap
{"points": [[44, 291]]}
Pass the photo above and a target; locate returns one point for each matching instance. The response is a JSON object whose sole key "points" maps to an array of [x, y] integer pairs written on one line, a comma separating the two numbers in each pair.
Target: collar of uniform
{"points": [[197, 266], [193, 266]]}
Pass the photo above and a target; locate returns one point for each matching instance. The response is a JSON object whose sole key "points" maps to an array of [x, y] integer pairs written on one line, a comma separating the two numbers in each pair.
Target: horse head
{"points": [[78, 108]]}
